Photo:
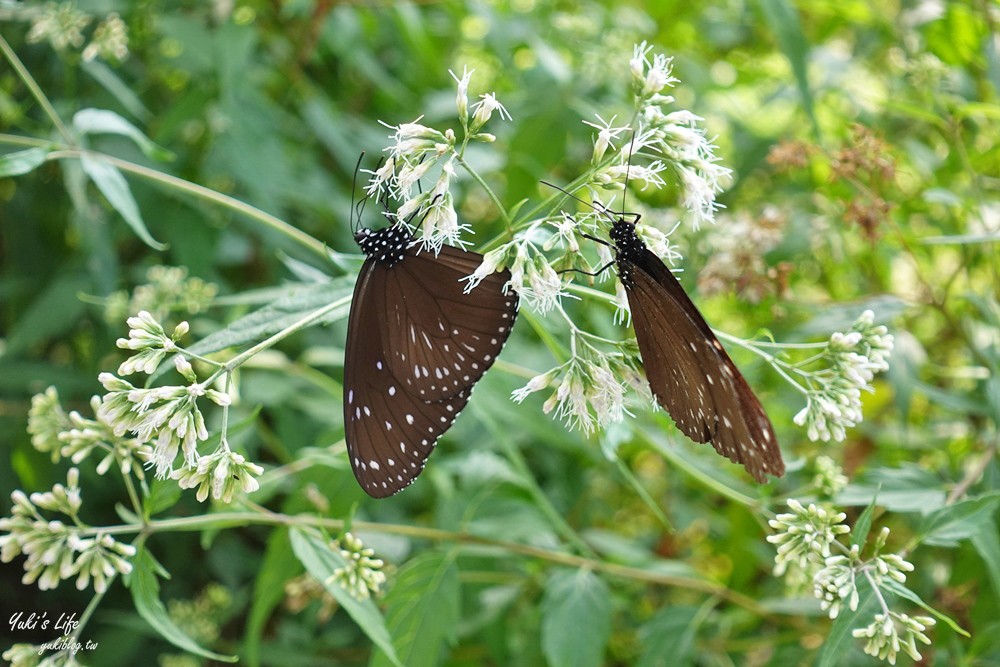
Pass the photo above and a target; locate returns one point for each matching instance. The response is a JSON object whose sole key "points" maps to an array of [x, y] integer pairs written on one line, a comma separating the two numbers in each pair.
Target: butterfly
{"points": [[416, 346], [688, 370]]}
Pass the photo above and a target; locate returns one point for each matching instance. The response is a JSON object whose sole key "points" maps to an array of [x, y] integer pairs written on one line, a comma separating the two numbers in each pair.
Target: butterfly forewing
{"points": [[441, 340], [690, 372]]}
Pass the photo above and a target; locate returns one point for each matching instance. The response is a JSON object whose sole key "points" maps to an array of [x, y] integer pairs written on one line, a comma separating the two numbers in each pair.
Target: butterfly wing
{"points": [[691, 374], [390, 431], [442, 340]]}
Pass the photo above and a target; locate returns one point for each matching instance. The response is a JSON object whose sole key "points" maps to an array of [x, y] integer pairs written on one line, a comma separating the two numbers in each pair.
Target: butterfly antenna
{"points": [[354, 188], [599, 209]]}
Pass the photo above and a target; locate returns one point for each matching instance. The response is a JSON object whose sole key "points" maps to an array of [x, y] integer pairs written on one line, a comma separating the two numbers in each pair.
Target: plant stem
{"points": [[489, 192], [234, 519], [36, 91]]}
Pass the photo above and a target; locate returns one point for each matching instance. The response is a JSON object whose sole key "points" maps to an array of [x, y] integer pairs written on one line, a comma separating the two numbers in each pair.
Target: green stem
{"points": [[237, 519], [489, 192], [36, 91], [242, 358]]}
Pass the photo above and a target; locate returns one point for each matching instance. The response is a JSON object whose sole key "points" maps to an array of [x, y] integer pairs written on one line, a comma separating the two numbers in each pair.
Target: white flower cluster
{"points": [[56, 550], [532, 276], [77, 437], [835, 404], [416, 149], [222, 473], [671, 140], [147, 337], [830, 478], [167, 416], [110, 40], [588, 392], [892, 632], [804, 535], [362, 576], [807, 538], [62, 25]]}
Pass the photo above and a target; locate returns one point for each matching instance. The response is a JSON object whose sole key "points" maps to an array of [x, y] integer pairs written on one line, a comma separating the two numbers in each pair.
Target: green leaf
{"points": [[668, 637], [105, 76], [783, 19], [102, 121], [146, 595], [576, 619], [277, 567], [298, 301], [163, 494], [840, 640], [864, 523], [115, 189], [902, 591], [54, 311], [314, 552], [22, 162], [987, 543], [951, 524], [423, 609]]}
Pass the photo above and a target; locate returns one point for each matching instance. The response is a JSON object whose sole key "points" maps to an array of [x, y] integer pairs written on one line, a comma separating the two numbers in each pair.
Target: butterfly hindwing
{"points": [[689, 371], [442, 340], [390, 431], [410, 321]]}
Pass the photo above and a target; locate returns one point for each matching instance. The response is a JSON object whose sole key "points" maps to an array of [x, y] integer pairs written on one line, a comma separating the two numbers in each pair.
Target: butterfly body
{"points": [[689, 372], [416, 346]]}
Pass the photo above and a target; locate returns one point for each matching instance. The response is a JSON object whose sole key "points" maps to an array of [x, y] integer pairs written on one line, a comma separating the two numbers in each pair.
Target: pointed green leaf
{"points": [[987, 543], [115, 188], [576, 619], [146, 595], [864, 523], [102, 121], [668, 637], [296, 301], [902, 591], [314, 552], [22, 162], [423, 610], [949, 525], [840, 640]]}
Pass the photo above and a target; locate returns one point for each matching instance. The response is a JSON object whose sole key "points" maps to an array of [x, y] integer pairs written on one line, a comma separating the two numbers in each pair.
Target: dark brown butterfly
{"points": [[416, 345], [688, 370]]}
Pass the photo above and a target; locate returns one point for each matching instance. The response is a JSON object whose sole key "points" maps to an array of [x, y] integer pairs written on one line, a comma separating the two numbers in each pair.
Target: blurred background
{"points": [[864, 143]]}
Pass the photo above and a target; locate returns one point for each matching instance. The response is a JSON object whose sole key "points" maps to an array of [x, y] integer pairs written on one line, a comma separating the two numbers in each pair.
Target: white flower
{"points": [[484, 109], [650, 77], [605, 135], [462, 94], [544, 286], [493, 261]]}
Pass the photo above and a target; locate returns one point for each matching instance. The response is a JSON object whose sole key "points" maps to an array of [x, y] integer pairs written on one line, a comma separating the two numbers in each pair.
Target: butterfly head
{"points": [[387, 245], [627, 243]]}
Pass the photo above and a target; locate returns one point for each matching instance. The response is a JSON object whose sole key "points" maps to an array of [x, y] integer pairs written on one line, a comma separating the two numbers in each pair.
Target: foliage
{"points": [[180, 181]]}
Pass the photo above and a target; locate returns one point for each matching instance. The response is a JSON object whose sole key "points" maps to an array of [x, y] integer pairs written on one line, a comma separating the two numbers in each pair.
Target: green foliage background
{"points": [[532, 547]]}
